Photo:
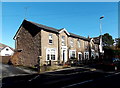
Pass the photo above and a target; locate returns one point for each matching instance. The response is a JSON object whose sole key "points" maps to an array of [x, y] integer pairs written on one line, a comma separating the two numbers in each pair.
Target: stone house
{"points": [[36, 43]]}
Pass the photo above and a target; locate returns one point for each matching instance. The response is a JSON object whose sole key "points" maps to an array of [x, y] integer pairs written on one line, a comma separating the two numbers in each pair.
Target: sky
{"points": [[81, 18], [60, 0]]}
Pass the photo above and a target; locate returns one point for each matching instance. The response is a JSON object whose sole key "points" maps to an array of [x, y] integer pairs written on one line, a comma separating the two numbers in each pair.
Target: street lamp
{"points": [[100, 46]]}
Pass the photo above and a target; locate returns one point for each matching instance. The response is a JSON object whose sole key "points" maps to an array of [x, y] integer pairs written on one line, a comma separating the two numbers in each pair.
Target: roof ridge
{"points": [[1, 44], [55, 30], [43, 25]]}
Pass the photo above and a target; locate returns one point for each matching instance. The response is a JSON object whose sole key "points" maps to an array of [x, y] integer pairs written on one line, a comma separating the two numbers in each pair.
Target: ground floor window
{"points": [[50, 54], [93, 55], [86, 55], [97, 55], [72, 54]]}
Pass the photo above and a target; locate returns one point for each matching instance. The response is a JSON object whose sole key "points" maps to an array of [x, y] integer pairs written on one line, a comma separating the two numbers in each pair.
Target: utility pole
{"points": [[100, 46]]}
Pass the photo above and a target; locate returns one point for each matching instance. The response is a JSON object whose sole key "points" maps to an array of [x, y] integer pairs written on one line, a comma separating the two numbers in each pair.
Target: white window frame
{"points": [[93, 53], [51, 53], [63, 40], [71, 53], [87, 53], [96, 47], [50, 38], [85, 44], [79, 43], [71, 42]]}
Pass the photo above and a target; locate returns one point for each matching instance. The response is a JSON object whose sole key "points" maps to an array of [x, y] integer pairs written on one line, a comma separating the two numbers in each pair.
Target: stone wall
{"points": [[28, 41]]}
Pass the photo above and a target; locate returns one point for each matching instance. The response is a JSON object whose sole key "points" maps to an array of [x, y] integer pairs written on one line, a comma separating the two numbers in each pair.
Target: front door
{"points": [[79, 56], [64, 54]]}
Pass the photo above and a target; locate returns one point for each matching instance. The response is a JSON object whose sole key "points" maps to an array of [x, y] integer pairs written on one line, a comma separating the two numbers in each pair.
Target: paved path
{"points": [[9, 70]]}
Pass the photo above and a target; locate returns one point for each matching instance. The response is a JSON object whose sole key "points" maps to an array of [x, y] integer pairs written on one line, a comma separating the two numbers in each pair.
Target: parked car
{"points": [[111, 64]]}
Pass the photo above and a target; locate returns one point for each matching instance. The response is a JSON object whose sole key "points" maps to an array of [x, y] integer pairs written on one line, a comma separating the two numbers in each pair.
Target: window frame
{"points": [[71, 42], [50, 38], [70, 53], [86, 55], [52, 53], [79, 43], [63, 40]]}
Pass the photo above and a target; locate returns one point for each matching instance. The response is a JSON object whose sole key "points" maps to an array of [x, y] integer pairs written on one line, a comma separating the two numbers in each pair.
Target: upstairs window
{"points": [[7, 49], [96, 48], [79, 43], [71, 43], [85, 45], [50, 38], [63, 40]]}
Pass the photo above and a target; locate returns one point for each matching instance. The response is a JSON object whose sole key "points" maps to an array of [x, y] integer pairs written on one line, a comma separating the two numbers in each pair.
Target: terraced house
{"points": [[39, 43]]}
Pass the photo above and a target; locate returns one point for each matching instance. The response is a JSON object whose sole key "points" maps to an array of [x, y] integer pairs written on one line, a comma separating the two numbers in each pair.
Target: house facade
{"points": [[6, 50], [36, 43]]}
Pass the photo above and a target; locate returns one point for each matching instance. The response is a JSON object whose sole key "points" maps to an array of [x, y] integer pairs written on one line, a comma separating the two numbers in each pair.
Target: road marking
{"points": [[33, 78], [117, 73], [87, 81], [113, 74], [77, 84]]}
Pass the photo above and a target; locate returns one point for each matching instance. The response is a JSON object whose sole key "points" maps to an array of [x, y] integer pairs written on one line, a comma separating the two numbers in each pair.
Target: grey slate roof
{"points": [[57, 30], [45, 27]]}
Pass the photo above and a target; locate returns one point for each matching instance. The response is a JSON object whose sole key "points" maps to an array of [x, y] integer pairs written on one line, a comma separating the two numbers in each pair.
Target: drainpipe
{"points": [[58, 50]]}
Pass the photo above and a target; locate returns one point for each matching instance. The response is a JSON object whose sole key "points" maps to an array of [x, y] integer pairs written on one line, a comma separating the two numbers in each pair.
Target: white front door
{"points": [[79, 56], [64, 54]]}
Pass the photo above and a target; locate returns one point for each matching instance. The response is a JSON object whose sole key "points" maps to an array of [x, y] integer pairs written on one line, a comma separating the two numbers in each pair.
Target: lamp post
{"points": [[100, 46]]}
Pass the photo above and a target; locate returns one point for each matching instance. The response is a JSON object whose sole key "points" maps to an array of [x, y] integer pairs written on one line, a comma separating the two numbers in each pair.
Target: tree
{"points": [[107, 40], [117, 41]]}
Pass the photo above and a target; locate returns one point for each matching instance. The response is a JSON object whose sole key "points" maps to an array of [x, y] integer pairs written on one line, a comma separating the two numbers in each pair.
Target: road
{"points": [[110, 81], [74, 78]]}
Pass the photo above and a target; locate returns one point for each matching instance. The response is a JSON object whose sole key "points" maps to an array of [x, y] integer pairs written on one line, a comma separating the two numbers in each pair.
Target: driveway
{"points": [[10, 70]]}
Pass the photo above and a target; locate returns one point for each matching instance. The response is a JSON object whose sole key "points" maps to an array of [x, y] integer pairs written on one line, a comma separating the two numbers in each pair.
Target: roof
{"points": [[2, 46], [96, 40], [77, 36], [51, 29], [45, 27]]}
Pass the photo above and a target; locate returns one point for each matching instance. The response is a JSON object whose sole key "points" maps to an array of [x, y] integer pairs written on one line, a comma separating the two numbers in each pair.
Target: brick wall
{"points": [[5, 59]]}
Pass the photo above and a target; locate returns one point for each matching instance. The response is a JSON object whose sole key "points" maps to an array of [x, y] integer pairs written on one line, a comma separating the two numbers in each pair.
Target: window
{"points": [[72, 54], [96, 47], [79, 43], [85, 45], [7, 55], [50, 39], [7, 49], [50, 54], [71, 43], [63, 40], [86, 55]]}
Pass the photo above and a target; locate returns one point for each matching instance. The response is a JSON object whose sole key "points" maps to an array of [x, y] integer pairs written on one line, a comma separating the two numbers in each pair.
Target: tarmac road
{"points": [[57, 79]]}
